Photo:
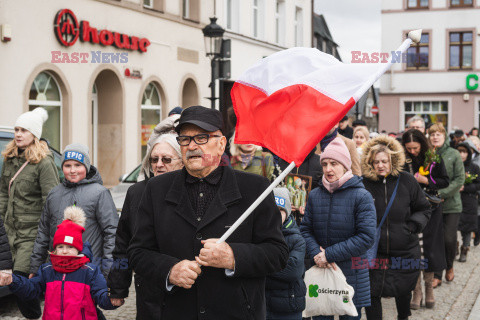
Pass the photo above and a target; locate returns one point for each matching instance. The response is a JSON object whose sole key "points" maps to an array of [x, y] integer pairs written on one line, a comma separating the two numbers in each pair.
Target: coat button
{"points": [[248, 307], [202, 310], [201, 194], [199, 236]]}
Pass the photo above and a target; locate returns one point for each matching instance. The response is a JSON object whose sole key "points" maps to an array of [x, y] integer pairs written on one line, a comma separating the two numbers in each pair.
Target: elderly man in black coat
{"points": [[182, 214]]}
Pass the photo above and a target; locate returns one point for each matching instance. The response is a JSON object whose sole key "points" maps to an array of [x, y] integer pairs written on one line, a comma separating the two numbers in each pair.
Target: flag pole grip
{"points": [[257, 202]]}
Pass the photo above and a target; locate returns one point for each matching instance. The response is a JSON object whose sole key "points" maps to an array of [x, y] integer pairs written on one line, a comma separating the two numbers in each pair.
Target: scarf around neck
{"points": [[334, 186], [327, 139], [67, 264]]}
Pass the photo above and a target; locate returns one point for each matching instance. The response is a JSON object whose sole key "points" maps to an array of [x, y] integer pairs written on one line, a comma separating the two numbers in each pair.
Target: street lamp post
{"points": [[213, 35]]}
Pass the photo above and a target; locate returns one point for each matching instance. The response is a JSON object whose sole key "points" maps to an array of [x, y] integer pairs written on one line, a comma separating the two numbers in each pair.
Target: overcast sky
{"points": [[354, 25]]}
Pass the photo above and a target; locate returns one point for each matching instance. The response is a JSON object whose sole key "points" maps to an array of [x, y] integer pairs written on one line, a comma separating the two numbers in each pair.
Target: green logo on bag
{"points": [[345, 299], [313, 290]]}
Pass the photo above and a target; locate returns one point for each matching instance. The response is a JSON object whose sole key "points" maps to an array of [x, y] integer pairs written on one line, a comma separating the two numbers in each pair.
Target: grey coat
{"points": [[100, 226]]}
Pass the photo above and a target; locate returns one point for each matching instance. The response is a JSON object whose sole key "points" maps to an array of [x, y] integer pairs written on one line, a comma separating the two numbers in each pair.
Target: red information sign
{"points": [[68, 30]]}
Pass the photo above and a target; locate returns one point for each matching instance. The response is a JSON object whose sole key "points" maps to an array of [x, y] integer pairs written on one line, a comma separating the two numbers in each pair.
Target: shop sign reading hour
{"points": [[68, 31]]}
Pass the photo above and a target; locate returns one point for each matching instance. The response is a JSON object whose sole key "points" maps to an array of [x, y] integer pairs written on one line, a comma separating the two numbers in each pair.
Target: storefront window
{"points": [[430, 111], [151, 113], [45, 93]]}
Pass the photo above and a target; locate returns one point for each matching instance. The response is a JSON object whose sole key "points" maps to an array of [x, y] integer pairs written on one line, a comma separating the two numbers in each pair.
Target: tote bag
{"points": [[328, 293]]}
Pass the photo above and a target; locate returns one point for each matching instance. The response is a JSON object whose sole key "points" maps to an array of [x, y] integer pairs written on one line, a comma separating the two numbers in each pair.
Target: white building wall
{"points": [[437, 83], [33, 40]]}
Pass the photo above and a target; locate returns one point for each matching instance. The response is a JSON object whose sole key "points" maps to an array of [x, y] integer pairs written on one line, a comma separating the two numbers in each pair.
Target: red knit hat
{"points": [[70, 230]]}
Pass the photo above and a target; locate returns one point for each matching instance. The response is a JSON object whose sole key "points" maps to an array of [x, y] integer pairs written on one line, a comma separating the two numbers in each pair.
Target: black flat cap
{"points": [[208, 119]]}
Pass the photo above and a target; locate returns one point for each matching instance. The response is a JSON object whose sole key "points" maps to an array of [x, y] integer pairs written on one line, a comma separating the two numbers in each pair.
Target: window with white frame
{"points": [[148, 4], [45, 93], [298, 27], [280, 22], [191, 9], [232, 15], [431, 111], [151, 113], [186, 8], [258, 18]]}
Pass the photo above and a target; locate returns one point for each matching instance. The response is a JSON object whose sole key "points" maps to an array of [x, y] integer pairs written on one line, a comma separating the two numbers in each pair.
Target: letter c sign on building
{"points": [[469, 82]]}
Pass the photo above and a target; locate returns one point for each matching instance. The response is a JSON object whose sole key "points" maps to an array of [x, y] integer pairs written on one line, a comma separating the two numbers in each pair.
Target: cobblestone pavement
{"points": [[454, 301]]}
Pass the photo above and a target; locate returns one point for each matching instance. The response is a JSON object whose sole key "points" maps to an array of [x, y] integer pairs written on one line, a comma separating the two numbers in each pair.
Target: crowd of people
{"points": [[405, 195]]}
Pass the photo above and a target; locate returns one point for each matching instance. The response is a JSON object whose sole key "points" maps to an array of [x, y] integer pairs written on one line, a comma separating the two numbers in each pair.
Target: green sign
{"points": [[468, 81]]}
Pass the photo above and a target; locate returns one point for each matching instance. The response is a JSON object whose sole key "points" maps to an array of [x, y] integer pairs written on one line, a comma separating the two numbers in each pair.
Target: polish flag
{"points": [[289, 101]]}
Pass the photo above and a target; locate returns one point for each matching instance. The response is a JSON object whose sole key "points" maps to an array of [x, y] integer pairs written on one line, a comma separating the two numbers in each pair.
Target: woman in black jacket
{"points": [[431, 174], [399, 249], [163, 155], [468, 217], [6, 263]]}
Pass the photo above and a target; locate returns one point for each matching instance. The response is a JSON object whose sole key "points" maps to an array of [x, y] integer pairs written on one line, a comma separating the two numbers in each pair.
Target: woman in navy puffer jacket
{"points": [[339, 223]]}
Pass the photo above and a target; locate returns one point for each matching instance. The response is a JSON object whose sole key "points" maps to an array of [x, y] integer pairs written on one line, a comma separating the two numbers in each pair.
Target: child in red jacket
{"points": [[73, 286]]}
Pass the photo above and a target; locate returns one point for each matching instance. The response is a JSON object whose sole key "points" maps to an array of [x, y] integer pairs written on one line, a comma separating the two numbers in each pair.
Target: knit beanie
{"points": [[70, 230], [33, 121], [338, 151], [282, 199], [77, 152], [176, 110]]}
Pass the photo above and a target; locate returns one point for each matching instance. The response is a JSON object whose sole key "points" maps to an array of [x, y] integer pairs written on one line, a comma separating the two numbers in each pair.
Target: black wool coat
{"points": [[468, 217], [120, 276], [433, 238], [5, 253], [167, 232], [408, 216]]}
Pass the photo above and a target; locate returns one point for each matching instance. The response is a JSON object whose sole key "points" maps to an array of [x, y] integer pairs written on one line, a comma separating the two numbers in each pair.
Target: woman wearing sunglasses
{"points": [[163, 155]]}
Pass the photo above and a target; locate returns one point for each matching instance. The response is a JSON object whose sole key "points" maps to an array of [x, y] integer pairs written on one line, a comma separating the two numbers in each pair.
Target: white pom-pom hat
{"points": [[33, 121]]}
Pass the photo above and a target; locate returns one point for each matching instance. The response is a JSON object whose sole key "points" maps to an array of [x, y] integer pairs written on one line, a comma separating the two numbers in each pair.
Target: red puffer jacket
{"points": [[68, 296]]}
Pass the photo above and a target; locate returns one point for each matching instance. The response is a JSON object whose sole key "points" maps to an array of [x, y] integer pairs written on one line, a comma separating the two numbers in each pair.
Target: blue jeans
{"points": [[284, 316], [359, 310]]}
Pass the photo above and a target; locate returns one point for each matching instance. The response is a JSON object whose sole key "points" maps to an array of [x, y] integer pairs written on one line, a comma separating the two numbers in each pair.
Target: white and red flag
{"points": [[288, 101]]}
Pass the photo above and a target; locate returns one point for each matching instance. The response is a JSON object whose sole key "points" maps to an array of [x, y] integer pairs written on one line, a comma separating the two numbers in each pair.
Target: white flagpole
{"points": [[413, 36], [257, 202]]}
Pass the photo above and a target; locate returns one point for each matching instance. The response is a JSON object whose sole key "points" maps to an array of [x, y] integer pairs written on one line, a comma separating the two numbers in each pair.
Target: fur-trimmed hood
{"points": [[398, 156]]}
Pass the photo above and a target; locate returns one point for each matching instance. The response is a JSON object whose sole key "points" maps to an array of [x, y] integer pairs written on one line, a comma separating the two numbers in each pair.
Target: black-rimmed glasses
{"points": [[199, 139]]}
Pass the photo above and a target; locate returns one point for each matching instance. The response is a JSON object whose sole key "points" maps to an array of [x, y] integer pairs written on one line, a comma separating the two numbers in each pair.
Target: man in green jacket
{"points": [[452, 205]]}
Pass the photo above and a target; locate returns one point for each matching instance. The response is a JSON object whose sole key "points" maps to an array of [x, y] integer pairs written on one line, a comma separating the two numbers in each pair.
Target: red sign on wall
{"points": [[68, 31]]}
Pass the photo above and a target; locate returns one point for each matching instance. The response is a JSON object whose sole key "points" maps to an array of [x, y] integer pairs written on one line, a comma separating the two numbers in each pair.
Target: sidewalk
{"points": [[455, 300]]}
